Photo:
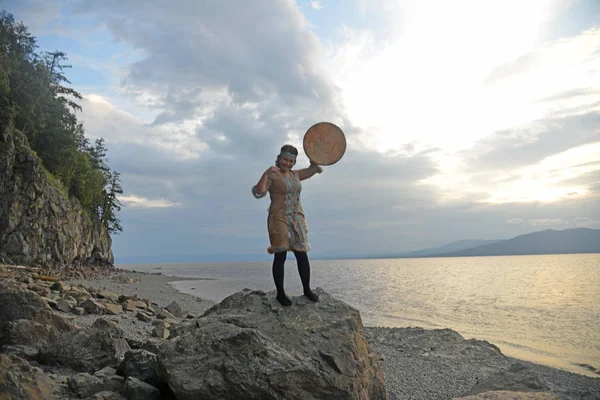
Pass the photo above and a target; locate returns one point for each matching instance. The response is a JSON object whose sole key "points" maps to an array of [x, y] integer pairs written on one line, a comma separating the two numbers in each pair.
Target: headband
{"points": [[285, 153]]}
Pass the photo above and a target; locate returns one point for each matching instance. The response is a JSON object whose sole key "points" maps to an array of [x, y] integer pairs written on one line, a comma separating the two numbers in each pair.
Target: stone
{"points": [[175, 309], [20, 380], [142, 316], [85, 350], [50, 301], [109, 326], [138, 390], [84, 385], [93, 307], [78, 311], [121, 348], [105, 294], [165, 314], [43, 291], [162, 333], [105, 372], [113, 309], [140, 304], [62, 286], [17, 303], [141, 364], [249, 347], [129, 305], [64, 306], [29, 333], [25, 352], [106, 395]]}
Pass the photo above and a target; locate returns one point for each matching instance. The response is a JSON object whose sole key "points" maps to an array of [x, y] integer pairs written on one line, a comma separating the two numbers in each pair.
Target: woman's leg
{"points": [[304, 270], [278, 263]]}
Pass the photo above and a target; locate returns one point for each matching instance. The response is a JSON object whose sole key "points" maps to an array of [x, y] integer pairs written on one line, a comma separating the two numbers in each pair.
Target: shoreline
{"points": [[431, 365], [508, 347]]}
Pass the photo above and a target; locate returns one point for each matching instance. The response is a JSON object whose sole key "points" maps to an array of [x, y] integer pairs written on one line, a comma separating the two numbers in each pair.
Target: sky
{"points": [[464, 120]]}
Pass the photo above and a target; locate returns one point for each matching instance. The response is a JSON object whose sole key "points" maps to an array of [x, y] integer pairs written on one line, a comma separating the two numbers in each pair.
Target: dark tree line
{"points": [[34, 96]]}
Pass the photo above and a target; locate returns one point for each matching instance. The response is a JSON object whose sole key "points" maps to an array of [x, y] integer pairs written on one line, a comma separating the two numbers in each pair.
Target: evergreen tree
{"points": [[34, 96]]}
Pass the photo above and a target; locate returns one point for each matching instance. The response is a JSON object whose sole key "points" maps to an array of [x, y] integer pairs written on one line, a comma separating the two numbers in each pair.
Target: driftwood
{"points": [[45, 278]]}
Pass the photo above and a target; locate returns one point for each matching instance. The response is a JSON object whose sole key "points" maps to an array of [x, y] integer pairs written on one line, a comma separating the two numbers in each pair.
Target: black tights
{"points": [[303, 270]]}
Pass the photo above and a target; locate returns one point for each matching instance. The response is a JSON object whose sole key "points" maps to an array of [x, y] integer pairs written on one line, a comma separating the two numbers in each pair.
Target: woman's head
{"points": [[287, 157]]}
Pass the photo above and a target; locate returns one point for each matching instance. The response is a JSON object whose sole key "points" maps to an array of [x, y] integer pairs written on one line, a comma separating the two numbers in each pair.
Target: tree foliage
{"points": [[34, 95]]}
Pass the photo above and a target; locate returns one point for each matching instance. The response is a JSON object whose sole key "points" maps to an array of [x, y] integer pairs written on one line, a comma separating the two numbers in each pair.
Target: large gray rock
{"points": [[85, 385], [138, 390], [18, 304], [85, 350], [20, 380], [141, 364], [39, 223], [249, 347]]}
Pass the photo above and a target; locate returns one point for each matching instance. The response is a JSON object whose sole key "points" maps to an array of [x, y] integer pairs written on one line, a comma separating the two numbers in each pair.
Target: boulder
{"points": [[141, 364], [29, 333], [113, 309], [138, 390], [25, 352], [110, 326], [64, 305], [85, 350], [84, 385], [93, 307], [175, 309], [20, 380], [106, 395], [249, 347], [17, 303]]}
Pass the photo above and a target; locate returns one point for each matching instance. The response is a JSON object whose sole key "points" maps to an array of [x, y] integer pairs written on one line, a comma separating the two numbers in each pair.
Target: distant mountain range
{"points": [[568, 241]]}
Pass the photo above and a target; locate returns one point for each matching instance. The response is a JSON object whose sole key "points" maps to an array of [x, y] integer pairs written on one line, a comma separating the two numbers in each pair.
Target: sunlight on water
{"points": [[544, 309]]}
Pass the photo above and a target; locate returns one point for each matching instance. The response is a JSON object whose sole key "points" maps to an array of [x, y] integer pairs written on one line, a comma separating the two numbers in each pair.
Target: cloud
{"points": [[514, 221], [135, 201], [546, 221], [585, 221], [316, 5]]}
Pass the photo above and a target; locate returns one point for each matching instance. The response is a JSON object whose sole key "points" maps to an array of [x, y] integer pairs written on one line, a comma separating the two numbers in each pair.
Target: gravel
{"points": [[144, 286]]}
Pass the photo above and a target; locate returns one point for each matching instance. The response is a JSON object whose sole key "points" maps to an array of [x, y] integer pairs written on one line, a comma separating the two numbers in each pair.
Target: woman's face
{"points": [[286, 163]]}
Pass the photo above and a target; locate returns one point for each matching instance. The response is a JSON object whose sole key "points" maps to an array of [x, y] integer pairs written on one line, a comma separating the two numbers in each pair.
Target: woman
{"points": [[286, 223]]}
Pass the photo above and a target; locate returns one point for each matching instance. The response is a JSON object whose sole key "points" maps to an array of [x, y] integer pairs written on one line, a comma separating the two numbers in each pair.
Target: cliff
{"points": [[39, 223]]}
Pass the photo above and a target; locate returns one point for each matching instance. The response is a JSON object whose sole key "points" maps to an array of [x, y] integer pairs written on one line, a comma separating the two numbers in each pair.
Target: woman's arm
{"points": [[264, 183], [309, 172]]}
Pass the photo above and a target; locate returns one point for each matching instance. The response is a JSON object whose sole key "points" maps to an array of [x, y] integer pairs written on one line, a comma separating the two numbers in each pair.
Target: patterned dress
{"points": [[286, 223]]}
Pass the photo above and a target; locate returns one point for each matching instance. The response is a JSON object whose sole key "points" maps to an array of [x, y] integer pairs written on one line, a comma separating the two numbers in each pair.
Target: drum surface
{"points": [[324, 143]]}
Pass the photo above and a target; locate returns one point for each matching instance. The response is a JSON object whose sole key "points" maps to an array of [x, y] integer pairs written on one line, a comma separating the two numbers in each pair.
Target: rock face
{"points": [[249, 347], [20, 380], [38, 223]]}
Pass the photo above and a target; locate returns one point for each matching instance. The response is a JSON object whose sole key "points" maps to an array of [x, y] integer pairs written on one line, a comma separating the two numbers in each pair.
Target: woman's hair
{"points": [[288, 148]]}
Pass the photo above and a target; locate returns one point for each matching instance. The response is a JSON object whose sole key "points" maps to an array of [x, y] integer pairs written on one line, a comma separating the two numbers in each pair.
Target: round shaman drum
{"points": [[324, 143]]}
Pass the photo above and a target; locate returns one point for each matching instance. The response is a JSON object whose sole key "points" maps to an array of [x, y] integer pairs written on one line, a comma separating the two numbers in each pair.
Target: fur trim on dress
{"points": [[276, 249], [298, 247]]}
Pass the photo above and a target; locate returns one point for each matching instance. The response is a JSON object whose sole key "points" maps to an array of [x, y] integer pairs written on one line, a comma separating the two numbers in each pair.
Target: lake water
{"points": [[544, 309]]}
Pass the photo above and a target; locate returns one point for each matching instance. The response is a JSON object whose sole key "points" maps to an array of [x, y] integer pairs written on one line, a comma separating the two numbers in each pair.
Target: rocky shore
{"points": [[111, 334]]}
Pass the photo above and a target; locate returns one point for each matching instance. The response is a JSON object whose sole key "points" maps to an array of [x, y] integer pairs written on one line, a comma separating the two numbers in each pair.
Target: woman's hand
{"points": [[272, 170]]}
